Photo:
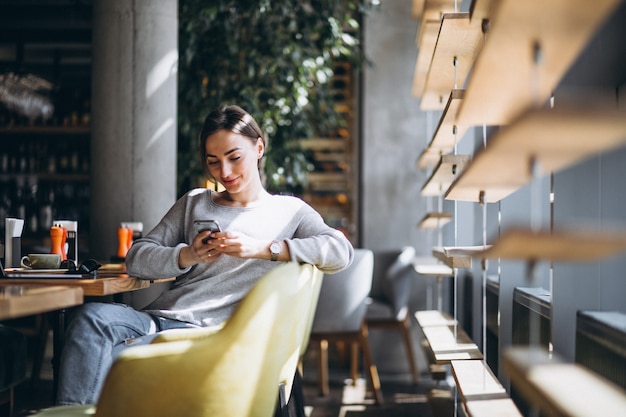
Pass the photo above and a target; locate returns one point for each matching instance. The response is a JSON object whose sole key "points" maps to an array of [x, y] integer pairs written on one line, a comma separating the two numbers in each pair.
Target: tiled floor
{"points": [[401, 397]]}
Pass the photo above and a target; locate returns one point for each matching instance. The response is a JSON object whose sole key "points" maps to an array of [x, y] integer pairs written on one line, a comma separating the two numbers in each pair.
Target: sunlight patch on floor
{"points": [[350, 408], [354, 393]]}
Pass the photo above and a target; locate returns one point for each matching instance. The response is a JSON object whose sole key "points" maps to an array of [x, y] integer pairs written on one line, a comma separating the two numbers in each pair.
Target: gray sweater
{"points": [[206, 294]]}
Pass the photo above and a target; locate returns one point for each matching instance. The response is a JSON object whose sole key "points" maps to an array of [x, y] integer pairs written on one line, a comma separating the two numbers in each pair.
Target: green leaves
{"points": [[273, 58]]}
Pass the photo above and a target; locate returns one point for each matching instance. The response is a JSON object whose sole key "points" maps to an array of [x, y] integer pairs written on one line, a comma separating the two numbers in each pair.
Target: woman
{"points": [[214, 270]]}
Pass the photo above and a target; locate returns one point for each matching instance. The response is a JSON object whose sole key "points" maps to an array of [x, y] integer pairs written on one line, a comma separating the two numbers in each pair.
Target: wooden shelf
{"points": [[555, 138], [482, 9], [433, 270], [448, 169], [435, 220], [427, 38], [505, 80], [502, 407], [431, 9], [458, 39], [561, 389], [323, 144], [523, 244], [445, 138], [475, 381], [427, 318], [558, 245], [47, 130], [430, 12], [428, 157], [327, 181], [417, 9], [459, 256], [447, 348]]}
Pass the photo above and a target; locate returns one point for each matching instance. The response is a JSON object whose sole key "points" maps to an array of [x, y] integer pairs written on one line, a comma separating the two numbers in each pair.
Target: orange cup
{"points": [[57, 241], [123, 244]]}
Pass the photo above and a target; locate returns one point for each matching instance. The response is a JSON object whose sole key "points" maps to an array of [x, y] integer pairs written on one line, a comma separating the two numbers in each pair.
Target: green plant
{"points": [[273, 58]]}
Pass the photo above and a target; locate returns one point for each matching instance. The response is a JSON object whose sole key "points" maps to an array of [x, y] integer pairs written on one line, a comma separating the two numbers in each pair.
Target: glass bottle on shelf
{"points": [[46, 204], [5, 206], [63, 159], [51, 160], [22, 161], [32, 210], [4, 161], [19, 199]]}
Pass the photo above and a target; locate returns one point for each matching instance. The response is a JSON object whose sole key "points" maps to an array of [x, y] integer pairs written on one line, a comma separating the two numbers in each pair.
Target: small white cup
{"points": [[41, 261]]}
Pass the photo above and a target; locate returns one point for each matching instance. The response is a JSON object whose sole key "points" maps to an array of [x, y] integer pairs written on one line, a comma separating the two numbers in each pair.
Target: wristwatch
{"points": [[275, 248]]}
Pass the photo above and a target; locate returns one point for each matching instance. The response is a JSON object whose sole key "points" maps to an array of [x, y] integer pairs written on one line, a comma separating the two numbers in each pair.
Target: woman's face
{"points": [[232, 159]]}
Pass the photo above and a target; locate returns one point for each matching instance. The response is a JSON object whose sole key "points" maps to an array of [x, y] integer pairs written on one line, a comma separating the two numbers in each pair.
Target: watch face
{"points": [[275, 247]]}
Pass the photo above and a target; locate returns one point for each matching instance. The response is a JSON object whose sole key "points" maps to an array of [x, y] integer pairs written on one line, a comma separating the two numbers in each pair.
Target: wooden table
{"points": [[25, 300], [104, 284], [109, 280]]}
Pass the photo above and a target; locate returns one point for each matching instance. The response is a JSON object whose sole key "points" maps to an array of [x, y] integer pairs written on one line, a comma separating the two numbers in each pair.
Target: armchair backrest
{"points": [[233, 371], [306, 312], [397, 282], [343, 297], [316, 287]]}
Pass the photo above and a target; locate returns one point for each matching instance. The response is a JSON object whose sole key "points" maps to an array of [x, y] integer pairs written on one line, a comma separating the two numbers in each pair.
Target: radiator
{"points": [[492, 295], [601, 343], [531, 325], [531, 317]]}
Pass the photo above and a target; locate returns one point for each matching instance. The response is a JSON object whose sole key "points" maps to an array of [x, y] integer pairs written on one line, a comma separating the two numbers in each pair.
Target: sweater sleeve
{"points": [[156, 254], [308, 237], [317, 243]]}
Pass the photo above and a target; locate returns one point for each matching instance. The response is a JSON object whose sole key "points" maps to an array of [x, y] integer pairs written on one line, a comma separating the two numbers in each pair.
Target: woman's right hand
{"points": [[198, 251]]}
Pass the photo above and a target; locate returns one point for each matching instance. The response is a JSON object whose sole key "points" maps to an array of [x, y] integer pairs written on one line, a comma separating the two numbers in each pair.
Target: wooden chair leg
{"points": [[406, 334], [354, 361], [322, 368], [372, 371]]}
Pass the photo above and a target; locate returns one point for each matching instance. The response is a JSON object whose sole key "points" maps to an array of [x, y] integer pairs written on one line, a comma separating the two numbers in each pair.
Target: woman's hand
{"points": [[240, 245], [199, 251]]}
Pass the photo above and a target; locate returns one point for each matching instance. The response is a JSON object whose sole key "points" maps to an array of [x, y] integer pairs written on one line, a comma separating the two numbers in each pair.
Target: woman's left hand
{"points": [[239, 245]]}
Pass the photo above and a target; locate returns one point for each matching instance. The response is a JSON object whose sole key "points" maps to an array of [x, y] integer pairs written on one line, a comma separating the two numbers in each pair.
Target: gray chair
{"points": [[389, 298], [340, 317]]}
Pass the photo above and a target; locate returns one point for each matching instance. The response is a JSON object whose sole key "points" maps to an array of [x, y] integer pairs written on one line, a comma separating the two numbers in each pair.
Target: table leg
{"points": [[58, 336]]}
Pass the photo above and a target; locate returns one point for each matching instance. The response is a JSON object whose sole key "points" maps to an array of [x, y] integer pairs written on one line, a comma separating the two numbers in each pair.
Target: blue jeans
{"points": [[95, 335]]}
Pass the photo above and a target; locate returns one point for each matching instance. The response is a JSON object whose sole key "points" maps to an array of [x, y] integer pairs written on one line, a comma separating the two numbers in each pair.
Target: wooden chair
{"points": [[389, 300], [231, 371], [340, 317]]}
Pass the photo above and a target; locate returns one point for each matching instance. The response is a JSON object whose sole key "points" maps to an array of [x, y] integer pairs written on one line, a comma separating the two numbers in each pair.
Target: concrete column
{"points": [[134, 91]]}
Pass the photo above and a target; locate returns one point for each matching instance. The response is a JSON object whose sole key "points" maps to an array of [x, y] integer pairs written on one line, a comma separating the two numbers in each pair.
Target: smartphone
{"points": [[204, 225]]}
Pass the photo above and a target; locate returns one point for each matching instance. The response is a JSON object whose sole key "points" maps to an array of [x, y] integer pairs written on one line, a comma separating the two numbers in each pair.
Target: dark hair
{"points": [[232, 118]]}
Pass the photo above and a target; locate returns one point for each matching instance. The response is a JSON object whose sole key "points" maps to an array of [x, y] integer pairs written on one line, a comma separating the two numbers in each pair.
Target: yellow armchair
{"points": [[231, 371]]}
